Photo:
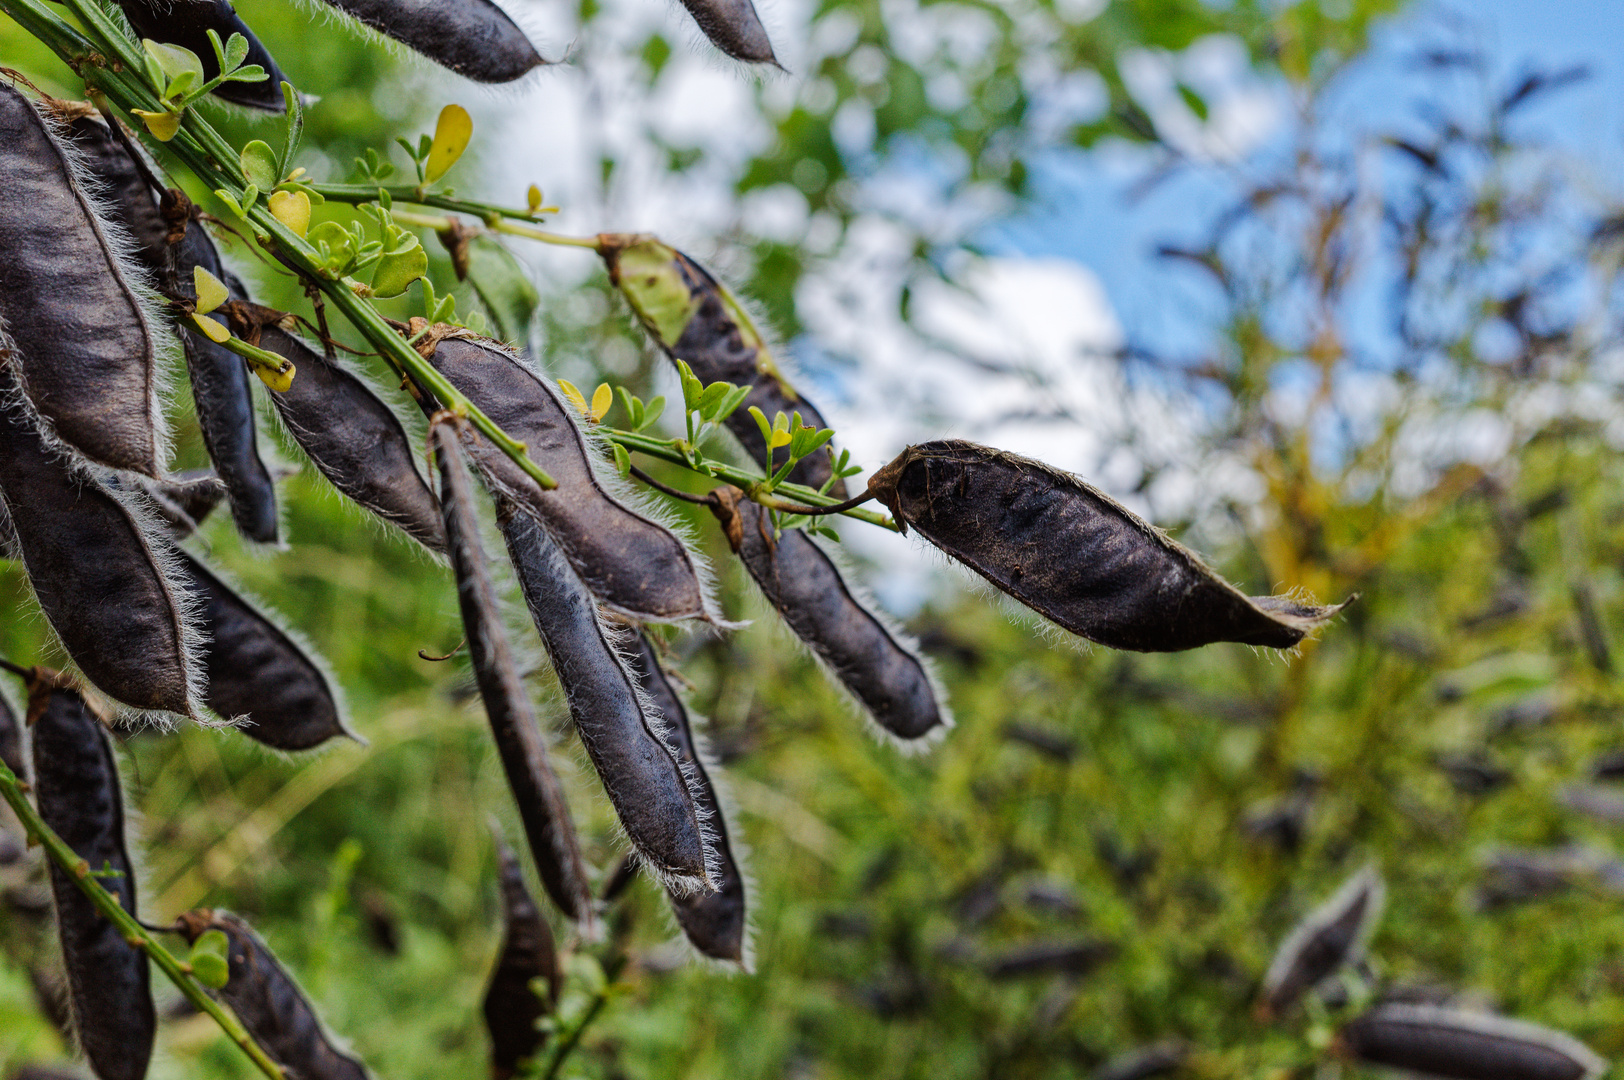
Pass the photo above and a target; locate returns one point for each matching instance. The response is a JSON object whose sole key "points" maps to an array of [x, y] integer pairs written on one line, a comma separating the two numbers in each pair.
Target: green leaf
{"points": [[731, 403], [248, 73], [259, 164], [173, 60], [655, 408], [236, 51], [711, 397], [231, 201], [692, 388], [294, 114], [632, 405], [209, 959], [399, 268], [504, 287], [763, 423], [623, 460]]}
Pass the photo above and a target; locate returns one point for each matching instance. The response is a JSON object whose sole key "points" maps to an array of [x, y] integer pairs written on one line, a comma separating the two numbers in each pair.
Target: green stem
{"points": [[567, 1044], [360, 193], [355, 195], [11, 789]]}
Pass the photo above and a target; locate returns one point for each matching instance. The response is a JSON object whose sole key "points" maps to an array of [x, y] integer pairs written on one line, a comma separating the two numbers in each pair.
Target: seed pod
{"points": [[630, 562], [1332, 935], [11, 740], [1045, 958], [695, 319], [528, 954], [734, 27], [713, 922], [622, 733], [801, 582], [187, 22], [103, 586], [186, 500], [1075, 555], [355, 439], [1437, 1041], [542, 808], [76, 779], [272, 1008], [128, 194], [474, 38], [81, 338], [256, 672]]}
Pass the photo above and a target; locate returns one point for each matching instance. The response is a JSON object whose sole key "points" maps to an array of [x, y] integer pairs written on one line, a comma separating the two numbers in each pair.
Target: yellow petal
{"points": [[451, 134], [280, 381], [211, 291], [291, 208], [213, 328], [574, 396], [602, 398], [533, 196], [162, 125]]}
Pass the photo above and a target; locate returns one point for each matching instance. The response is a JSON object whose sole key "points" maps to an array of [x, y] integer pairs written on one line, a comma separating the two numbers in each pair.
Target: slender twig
{"points": [[706, 499], [837, 508]]}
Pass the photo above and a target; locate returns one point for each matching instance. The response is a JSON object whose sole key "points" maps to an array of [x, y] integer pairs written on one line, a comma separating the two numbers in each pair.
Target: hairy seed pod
{"points": [[185, 500], [540, 798], [187, 22], [101, 584], [713, 922], [256, 672], [1437, 1041], [76, 778], [272, 1008], [81, 340], [11, 740], [474, 38], [734, 27], [801, 582], [128, 193], [630, 562], [1075, 555], [355, 439], [528, 954], [1157, 1059], [622, 733], [1332, 935], [695, 319]]}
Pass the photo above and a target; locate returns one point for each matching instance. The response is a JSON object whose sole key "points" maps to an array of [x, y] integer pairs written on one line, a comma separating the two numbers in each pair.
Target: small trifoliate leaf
{"points": [[208, 959]]}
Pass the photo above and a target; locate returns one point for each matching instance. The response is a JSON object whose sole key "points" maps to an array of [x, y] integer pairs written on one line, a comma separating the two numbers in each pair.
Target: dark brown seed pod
{"points": [[1075, 555], [76, 781], [355, 439], [1437, 1041], [734, 27], [695, 319], [622, 733], [257, 673], [104, 587], [713, 922], [540, 798], [11, 740], [474, 38], [187, 22], [125, 187], [185, 500], [272, 1008], [801, 582], [80, 336], [631, 562], [1332, 935], [528, 954]]}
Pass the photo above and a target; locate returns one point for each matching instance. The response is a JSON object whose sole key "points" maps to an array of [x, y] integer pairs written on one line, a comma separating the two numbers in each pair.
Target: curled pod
{"points": [[257, 673], [105, 588], [76, 781], [631, 562], [623, 734], [474, 38], [801, 582], [1075, 555], [528, 954], [1437, 1041], [697, 320], [355, 439], [69, 310], [734, 27], [187, 23], [185, 500], [713, 922], [1332, 935], [272, 1008], [542, 808], [11, 740]]}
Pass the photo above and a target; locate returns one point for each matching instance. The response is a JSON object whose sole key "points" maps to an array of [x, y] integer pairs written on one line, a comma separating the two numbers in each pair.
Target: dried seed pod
{"points": [[713, 922], [1332, 935], [474, 38], [185, 500], [258, 673], [1437, 1041], [801, 582], [1075, 555], [11, 740], [695, 319], [76, 780], [540, 798], [80, 335], [511, 1006], [355, 439], [629, 561], [105, 589], [128, 193], [272, 1008], [187, 22], [734, 27], [622, 733]]}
